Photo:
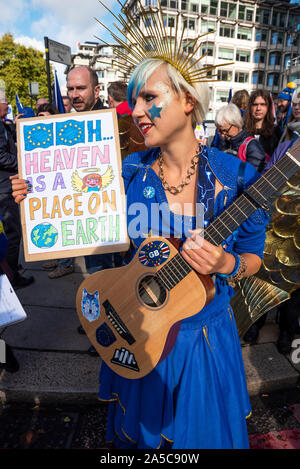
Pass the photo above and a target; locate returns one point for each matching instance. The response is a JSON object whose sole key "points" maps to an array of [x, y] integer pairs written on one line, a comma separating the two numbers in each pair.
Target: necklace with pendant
{"points": [[186, 180]]}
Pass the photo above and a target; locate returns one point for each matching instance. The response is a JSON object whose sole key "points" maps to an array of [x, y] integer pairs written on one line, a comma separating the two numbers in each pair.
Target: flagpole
{"points": [[48, 68]]}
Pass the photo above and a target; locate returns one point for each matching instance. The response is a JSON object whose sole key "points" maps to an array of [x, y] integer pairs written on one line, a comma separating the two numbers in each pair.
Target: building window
{"points": [[293, 21], [242, 56], [205, 6], [287, 61], [227, 54], [194, 7], [209, 7], [227, 30], [259, 56], [207, 26], [276, 38], [189, 24], [274, 58], [244, 33], [207, 49], [273, 79], [262, 16], [224, 75], [228, 10], [222, 96], [246, 13], [258, 77], [261, 35], [278, 19], [241, 77]]}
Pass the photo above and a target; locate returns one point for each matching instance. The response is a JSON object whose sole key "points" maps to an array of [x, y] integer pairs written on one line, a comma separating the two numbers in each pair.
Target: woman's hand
{"points": [[20, 188], [206, 258]]}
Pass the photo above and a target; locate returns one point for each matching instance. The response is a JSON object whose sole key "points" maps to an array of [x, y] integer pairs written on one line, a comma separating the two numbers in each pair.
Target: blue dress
{"points": [[197, 397]]}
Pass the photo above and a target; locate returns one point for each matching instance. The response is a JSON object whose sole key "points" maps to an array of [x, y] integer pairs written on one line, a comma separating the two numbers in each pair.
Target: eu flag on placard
{"points": [[38, 136], [57, 99], [69, 132]]}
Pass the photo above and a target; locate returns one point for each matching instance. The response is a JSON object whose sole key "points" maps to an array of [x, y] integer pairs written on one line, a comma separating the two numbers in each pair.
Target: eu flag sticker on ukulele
{"points": [[154, 253]]}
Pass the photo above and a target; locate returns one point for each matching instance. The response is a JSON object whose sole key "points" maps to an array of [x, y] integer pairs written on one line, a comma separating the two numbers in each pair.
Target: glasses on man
{"points": [[225, 132]]}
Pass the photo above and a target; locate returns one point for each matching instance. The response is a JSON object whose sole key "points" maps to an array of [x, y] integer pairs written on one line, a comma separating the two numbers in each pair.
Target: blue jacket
{"points": [[279, 152], [255, 152]]}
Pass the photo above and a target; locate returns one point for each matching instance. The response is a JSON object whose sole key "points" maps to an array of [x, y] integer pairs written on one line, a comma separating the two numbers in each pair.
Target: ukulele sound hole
{"points": [[151, 292]]}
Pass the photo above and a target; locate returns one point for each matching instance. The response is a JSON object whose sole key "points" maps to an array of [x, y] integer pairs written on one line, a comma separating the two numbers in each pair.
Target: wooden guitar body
{"points": [[128, 312]]}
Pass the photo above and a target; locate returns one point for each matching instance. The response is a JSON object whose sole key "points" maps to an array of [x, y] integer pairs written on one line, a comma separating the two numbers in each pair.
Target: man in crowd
{"points": [[39, 102], [117, 98], [9, 209], [284, 104], [83, 89], [67, 103]]}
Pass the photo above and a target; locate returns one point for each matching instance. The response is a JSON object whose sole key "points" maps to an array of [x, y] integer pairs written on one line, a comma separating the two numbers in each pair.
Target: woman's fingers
{"points": [[20, 188]]}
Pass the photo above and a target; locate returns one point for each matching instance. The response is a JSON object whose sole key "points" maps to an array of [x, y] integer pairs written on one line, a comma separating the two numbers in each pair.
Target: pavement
{"points": [[55, 366]]}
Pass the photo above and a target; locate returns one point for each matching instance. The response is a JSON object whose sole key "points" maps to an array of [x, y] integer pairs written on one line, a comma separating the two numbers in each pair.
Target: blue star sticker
{"points": [[155, 111]]}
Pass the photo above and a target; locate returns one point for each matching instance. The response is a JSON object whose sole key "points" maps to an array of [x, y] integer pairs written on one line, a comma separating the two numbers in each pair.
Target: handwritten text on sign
{"points": [[77, 202]]}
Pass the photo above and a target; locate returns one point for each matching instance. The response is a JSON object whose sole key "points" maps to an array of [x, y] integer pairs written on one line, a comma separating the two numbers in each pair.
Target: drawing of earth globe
{"points": [[44, 235]]}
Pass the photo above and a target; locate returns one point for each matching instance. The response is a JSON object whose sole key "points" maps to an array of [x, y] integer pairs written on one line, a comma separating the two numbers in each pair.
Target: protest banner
{"points": [[77, 203]]}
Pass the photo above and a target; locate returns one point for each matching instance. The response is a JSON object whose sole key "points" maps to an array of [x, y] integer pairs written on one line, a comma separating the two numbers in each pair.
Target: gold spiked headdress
{"points": [[153, 41]]}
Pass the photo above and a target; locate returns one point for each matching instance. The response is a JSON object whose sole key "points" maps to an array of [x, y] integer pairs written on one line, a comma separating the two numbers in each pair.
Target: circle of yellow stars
{"points": [[39, 127], [64, 128]]}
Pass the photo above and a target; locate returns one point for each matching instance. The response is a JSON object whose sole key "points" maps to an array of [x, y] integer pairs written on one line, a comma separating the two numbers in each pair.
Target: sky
{"points": [[64, 21]]}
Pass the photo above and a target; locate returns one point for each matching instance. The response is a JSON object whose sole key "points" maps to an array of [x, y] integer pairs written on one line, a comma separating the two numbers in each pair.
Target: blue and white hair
{"points": [[200, 91]]}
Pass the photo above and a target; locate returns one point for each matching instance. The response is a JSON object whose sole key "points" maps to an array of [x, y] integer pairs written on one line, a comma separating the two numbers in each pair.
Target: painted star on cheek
{"points": [[155, 111]]}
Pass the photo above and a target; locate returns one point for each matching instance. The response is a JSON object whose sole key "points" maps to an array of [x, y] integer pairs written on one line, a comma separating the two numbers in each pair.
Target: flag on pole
{"points": [[273, 109], [229, 96], [57, 99], [19, 105]]}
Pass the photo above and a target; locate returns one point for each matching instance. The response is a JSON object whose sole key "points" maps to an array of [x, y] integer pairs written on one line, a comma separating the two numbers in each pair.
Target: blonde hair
{"points": [[199, 91]]}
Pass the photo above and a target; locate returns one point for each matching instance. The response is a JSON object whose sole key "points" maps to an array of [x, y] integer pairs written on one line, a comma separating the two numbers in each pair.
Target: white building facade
{"points": [[261, 38]]}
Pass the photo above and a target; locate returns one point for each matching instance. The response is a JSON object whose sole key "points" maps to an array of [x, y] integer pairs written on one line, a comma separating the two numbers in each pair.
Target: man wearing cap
{"points": [[9, 209], [284, 104]]}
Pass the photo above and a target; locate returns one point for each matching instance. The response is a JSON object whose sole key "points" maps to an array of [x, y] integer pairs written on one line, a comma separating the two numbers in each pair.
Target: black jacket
{"points": [[8, 157], [255, 153], [98, 105]]}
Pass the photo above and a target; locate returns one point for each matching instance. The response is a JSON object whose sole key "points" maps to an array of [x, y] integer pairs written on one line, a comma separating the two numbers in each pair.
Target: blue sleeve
{"points": [[251, 234]]}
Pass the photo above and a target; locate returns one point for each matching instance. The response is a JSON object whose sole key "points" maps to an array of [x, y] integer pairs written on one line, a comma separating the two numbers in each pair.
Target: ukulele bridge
{"points": [[117, 323]]}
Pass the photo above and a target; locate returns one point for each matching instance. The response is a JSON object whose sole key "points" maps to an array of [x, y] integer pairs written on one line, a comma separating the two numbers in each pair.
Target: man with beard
{"points": [[284, 104], [83, 89]]}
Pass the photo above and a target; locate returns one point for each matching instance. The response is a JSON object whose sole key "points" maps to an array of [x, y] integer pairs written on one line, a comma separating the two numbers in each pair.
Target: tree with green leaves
{"points": [[20, 65]]}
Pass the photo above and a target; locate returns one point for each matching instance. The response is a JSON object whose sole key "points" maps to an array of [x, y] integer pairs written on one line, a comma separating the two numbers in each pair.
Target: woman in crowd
{"points": [[260, 122], [197, 396], [235, 140], [240, 99]]}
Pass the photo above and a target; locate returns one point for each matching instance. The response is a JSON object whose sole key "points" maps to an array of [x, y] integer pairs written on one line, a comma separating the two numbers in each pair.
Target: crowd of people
{"points": [[247, 129]]}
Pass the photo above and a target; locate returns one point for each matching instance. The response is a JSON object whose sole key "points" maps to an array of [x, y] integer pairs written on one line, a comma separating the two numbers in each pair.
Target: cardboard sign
{"points": [[77, 206]]}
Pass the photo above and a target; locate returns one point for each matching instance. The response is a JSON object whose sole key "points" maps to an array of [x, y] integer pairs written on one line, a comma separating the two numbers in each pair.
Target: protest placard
{"points": [[77, 203]]}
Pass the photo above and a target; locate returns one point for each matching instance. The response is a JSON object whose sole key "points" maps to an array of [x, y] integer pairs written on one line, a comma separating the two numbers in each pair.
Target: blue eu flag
{"points": [[70, 132], [38, 136]]}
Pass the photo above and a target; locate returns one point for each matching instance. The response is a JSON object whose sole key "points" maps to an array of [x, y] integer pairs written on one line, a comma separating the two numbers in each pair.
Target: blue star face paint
{"points": [[155, 111]]}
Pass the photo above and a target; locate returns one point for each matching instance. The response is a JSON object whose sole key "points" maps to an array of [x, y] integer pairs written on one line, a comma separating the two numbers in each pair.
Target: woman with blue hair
{"points": [[196, 397]]}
